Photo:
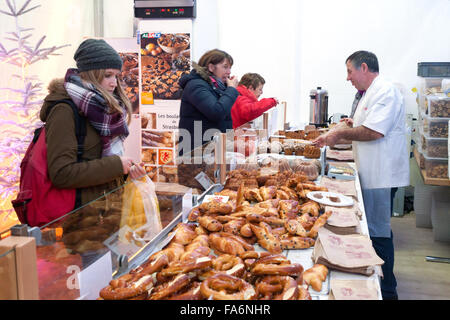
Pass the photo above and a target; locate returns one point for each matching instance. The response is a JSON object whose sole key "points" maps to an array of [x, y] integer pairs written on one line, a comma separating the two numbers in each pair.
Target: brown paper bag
{"points": [[345, 187], [343, 220], [348, 253], [353, 290]]}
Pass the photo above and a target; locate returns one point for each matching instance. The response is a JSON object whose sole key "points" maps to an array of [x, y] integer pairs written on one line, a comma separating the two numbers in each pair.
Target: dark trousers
{"points": [[384, 247]]}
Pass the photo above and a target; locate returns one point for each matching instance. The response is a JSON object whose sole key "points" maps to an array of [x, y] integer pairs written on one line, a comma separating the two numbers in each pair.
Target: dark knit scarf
{"points": [[93, 105]]}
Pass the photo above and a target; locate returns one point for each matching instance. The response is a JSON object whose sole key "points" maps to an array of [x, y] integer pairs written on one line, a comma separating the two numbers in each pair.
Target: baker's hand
{"points": [[348, 122], [328, 139], [137, 171], [232, 82]]}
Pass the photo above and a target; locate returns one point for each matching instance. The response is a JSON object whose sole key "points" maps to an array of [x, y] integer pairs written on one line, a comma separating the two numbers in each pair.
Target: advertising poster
{"points": [[164, 56], [128, 49]]}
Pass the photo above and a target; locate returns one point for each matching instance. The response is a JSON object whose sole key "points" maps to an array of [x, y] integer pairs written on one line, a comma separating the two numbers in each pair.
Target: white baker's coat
{"points": [[382, 163]]}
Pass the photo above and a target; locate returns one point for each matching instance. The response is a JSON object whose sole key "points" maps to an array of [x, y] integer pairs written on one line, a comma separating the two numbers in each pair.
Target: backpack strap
{"points": [[80, 131]]}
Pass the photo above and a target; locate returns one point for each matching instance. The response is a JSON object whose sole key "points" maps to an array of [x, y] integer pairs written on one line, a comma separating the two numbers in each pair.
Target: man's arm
{"points": [[359, 133]]}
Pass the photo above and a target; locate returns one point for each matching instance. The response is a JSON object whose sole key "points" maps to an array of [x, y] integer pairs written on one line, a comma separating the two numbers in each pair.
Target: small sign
{"points": [[204, 180], [211, 197], [95, 277]]}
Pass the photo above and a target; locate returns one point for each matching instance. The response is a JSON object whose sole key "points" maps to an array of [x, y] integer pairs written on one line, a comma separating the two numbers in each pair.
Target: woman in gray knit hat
{"points": [[106, 111]]}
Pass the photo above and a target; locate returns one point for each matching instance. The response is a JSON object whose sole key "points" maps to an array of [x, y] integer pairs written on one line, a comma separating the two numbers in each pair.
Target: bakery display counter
{"points": [[255, 238]]}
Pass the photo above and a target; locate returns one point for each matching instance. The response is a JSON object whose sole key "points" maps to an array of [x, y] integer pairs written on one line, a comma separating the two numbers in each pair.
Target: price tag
{"points": [[211, 197], [204, 180]]}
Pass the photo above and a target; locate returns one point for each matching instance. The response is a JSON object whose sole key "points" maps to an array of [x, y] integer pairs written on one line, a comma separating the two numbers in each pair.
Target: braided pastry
{"points": [[295, 242], [266, 238], [182, 267]]}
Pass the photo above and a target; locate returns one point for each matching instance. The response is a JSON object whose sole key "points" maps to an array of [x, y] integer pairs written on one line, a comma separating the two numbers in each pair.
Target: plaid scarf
{"points": [[93, 105]]}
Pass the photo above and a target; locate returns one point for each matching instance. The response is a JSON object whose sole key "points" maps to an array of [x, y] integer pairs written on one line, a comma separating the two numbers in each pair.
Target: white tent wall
{"points": [[299, 45], [296, 45]]}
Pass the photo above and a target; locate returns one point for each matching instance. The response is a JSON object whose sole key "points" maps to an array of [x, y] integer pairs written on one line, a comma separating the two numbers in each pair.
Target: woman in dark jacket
{"points": [[208, 95]]}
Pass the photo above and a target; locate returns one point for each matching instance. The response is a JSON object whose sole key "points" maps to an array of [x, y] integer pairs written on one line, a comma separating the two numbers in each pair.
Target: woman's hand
{"points": [[137, 171], [127, 162], [232, 82]]}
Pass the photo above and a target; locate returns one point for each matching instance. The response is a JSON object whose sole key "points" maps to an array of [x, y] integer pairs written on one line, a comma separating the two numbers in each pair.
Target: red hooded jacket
{"points": [[247, 108]]}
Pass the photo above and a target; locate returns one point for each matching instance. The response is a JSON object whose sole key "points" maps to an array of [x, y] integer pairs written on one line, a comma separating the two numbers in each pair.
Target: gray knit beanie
{"points": [[96, 54]]}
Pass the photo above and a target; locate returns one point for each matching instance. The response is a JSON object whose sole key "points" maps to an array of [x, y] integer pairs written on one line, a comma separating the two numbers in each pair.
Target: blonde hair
{"points": [[95, 77]]}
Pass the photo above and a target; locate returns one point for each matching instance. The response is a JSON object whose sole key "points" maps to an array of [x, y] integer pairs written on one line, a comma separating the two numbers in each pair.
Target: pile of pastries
{"points": [[213, 254]]}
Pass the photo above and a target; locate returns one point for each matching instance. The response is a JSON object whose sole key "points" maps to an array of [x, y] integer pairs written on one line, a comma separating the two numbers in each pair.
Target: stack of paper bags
{"points": [[354, 290], [343, 220], [347, 253], [345, 187]]}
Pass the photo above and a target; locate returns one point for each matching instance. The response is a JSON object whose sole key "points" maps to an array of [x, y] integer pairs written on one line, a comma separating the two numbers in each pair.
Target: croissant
{"points": [[315, 276], [210, 224]]}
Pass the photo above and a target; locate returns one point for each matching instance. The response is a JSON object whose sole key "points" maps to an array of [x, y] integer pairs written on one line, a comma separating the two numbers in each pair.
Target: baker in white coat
{"points": [[378, 135]]}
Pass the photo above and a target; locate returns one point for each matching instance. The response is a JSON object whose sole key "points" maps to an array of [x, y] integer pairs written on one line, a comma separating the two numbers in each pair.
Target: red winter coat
{"points": [[247, 107]]}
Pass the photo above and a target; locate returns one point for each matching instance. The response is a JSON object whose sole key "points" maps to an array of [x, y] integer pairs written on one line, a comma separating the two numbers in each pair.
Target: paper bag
{"points": [[354, 290], [141, 218], [342, 220], [345, 187], [348, 253]]}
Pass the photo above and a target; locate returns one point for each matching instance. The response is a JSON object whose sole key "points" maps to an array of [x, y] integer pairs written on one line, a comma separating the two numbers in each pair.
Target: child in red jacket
{"points": [[247, 107]]}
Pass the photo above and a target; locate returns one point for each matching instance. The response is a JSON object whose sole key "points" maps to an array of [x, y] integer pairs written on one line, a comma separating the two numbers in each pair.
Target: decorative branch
{"points": [[20, 108]]}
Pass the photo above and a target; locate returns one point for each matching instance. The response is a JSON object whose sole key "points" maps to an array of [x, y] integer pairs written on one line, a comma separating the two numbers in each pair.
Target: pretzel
{"points": [[315, 276], [173, 252], [152, 265], [276, 265], [197, 252], [320, 222], [176, 268], [127, 286], [295, 242], [278, 287], [210, 223], [166, 289], [189, 292], [228, 264], [266, 238], [225, 287]]}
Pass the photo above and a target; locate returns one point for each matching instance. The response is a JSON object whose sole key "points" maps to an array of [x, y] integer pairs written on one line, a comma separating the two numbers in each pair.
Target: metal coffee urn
{"points": [[318, 108]]}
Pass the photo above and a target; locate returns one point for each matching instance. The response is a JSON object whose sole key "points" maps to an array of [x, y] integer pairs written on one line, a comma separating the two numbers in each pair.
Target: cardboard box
{"points": [[18, 269]]}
